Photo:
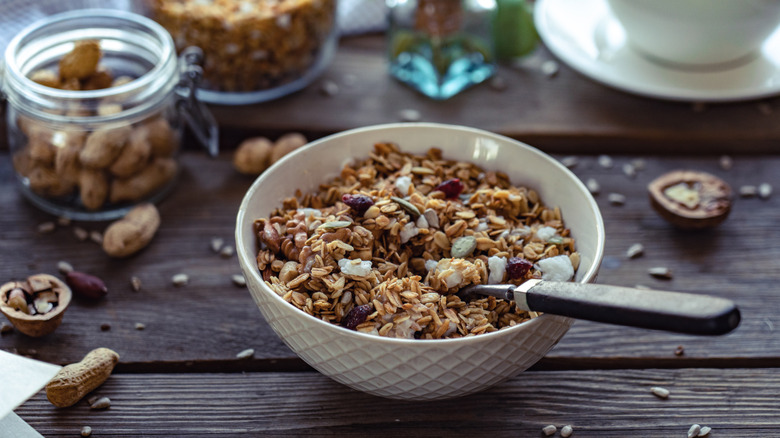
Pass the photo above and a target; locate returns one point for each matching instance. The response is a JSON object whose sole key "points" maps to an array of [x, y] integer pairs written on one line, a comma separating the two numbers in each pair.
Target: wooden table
{"points": [[180, 375]]}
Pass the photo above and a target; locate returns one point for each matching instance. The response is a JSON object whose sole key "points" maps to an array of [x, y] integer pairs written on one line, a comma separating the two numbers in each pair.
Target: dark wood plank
{"points": [[202, 326], [735, 403], [568, 112]]}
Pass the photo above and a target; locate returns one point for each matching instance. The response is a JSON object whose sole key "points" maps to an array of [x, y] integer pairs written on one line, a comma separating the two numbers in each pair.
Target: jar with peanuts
{"points": [[97, 100]]}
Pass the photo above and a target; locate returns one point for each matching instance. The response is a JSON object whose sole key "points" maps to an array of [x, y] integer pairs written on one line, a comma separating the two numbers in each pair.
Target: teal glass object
{"points": [[441, 47]]}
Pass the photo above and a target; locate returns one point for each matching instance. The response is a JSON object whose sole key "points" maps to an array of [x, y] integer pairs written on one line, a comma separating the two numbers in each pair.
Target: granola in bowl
{"points": [[384, 247]]}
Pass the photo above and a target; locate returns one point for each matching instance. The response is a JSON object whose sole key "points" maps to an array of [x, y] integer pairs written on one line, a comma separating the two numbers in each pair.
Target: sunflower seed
{"points": [[660, 272], [705, 430], [86, 431], [616, 199], [46, 227], [226, 251], [566, 431], [748, 191], [593, 186], [135, 283], [409, 115], [101, 403], [249, 352], [725, 162], [63, 221], [64, 267], [549, 430], [629, 170], [549, 68], [216, 244], [570, 162], [96, 236], [660, 392], [635, 251], [180, 279], [140, 326], [80, 233], [605, 161], [329, 88], [764, 190], [694, 431], [239, 280]]}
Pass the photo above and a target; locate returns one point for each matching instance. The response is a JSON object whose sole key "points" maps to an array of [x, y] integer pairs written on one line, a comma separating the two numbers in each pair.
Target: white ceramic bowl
{"points": [[408, 368]]}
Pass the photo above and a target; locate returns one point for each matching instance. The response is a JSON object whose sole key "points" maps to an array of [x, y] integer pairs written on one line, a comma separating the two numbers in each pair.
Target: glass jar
{"points": [[441, 47], [96, 105], [254, 51]]}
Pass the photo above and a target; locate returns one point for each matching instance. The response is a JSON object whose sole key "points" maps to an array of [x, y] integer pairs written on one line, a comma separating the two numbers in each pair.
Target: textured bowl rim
{"points": [[246, 261]]}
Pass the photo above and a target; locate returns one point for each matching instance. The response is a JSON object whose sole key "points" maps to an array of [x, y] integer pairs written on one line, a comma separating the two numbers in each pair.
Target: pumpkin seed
{"points": [[463, 246], [335, 225], [406, 205]]}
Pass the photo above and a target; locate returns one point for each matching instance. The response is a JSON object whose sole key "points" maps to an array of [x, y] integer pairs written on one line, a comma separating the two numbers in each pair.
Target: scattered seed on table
{"points": [[226, 251], [629, 170], [764, 190], [86, 431], [725, 162], [660, 392], [616, 199], [46, 227], [101, 403], [329, 88], [566, 431], [180, 279], [216, 244], [748, 191], [549, 430], [6, 328], [409, 115], [635, 250], [705, 430], [239, 280], [549, 68], [605, 161], [593, 186], [140, 326], [694, 431], [64, 267], [638, 163], [498, 83], [135, 283], [96, 236], [699, 107], [63, 221], [249, 352], [660, 272], [92, 399], [80, 233], [105, 327], [570, 162], [679, 351], [764, 108]]}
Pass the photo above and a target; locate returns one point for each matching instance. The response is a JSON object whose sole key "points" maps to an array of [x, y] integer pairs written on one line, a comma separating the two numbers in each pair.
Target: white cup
{"points": [[697, 33]]}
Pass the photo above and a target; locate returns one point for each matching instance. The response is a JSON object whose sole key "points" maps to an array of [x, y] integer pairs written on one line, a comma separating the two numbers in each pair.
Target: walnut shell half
{"points": [[41, 285], [690, 199]]}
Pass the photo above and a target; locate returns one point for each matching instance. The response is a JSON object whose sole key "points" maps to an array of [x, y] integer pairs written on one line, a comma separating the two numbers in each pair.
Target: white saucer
{"points": [[585, 35]]}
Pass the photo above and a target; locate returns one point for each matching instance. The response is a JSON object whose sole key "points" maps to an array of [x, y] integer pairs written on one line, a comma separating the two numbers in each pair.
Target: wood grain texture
{"points": [[735, 403], [566, 113], [202, 326]]}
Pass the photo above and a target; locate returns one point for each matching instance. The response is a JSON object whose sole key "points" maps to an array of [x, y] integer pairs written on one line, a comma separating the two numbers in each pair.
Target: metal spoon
{"points": [[661, 310]]}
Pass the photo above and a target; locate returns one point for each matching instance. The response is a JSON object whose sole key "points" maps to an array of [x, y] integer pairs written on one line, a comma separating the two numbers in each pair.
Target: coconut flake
{"points": [[558, 268], [497, 267], [482, 226], [431, 264], [357, 267], [403, 184], [422, 222], [546, 233], [408, 231]]}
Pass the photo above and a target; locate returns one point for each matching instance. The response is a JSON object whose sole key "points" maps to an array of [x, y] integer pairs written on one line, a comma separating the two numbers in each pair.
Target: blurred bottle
{"points": [[441, 47], [514, 33]]}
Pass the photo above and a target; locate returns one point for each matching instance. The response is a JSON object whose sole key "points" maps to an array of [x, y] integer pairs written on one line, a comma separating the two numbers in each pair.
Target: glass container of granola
{"points": [[96, 103], [254, 51]]}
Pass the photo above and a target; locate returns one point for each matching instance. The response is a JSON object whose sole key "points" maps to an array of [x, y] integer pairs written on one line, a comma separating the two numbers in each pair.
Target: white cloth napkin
{"points": [[20, 379]]}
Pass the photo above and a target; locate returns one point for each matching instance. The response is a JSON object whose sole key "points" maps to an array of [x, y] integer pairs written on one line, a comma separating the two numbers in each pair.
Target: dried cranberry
{"points": [[359, 203], [451, 188], [356, 316], [517, 267]]}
